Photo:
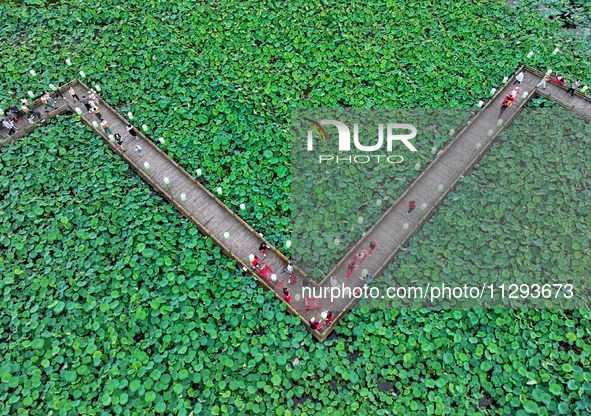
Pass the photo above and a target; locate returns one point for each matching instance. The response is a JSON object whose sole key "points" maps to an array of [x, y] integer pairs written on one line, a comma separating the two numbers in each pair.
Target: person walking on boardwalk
{"points": [[289, 267], [47, 101], [292, 279], [119, 141], [314, 324], [561, 81], [93, 99], [28, 108], [350, 269], [573, 88], [73, 94], [16, 111], [8, 125], [255, 261], [48, 97], [132, 132], [514, 92], [518, 78], [286, 295], [86, 103], [328, 319], [507, 101], [97, 113], [333, 281], [58, 93], [139, 150], [12, 116], [372, 246], [263, 249], [542, 83], [411, 206], [105, 127], [369, 278]]}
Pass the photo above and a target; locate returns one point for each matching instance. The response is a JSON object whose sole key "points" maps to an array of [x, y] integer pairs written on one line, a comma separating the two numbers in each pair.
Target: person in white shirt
{"points": [[518, 78], [333, 281], [514, 91], [542, 83], [573, 88], [73, 94], [7, 124]]}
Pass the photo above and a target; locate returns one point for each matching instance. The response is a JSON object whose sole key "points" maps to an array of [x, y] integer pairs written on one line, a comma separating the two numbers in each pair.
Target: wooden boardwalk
{"points": [[391, 232]]}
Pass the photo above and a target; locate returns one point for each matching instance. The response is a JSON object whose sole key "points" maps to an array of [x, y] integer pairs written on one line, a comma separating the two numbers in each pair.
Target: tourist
{"points": [[542, 83], [255, 261], [289, 268], [73, 94], [12, 116], [314, 324], [28, 108], [58, 93], [328, 319], [93, 99], [139, 149], [86, 103], [292, 279], [45, 103], [48, 98], [263, 249], [369, 278], [573, 88], [333, 281], [105, 127], [286, 295], [119, 141], [132, 132], [513, 92], [518, 78], [411, 206], [372, 246], [15, 110], [8, 125], [350, 269], [506, 104], [97, 112]]}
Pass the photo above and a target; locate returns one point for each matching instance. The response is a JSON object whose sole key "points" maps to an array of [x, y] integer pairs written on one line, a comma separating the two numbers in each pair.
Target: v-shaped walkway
{"points": [[395, 227]]}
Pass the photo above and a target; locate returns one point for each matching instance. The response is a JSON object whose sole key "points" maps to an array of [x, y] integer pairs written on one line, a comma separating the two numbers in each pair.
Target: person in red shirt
{"points": [[255, 262], [292, 279], [263, 249], [328, 319], [372, 247], [350, 269], [286, 295], [314, 324], [411, 206]]}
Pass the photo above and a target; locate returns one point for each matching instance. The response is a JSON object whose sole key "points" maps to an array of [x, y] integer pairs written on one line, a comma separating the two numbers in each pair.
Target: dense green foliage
{"points": [[329, 198], [218, 80], [111, 304], [115, 310], [522, 216]]}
